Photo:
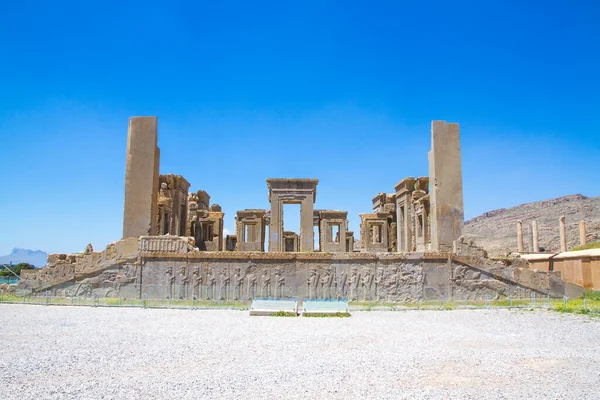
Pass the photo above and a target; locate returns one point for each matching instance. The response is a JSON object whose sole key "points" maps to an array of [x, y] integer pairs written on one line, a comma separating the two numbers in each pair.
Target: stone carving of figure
{"points": [[210, 283], [88, 249], [353, 284], [366, 283], [252, 282], [311, 283], [280, 282], [379, 281], [197, 282], [224, 284], [183, 282], [392, 285], [238, 281], [266, 284], [170, 282], [326, 284], [340, 285]]}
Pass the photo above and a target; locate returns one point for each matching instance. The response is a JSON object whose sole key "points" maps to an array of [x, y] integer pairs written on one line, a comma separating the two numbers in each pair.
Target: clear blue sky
{"points": [[340, 91]]}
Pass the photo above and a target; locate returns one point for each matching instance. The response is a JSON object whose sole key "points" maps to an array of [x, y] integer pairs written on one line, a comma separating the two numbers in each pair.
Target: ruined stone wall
{"points": [[169, 267]]}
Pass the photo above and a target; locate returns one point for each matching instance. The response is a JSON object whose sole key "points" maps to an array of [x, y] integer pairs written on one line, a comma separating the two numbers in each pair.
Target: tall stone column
{"points": [[140, 211], [536, 239], [582, 237], [563, 233], [276, 225], [446, 189], [307, 240], [520, 247]]}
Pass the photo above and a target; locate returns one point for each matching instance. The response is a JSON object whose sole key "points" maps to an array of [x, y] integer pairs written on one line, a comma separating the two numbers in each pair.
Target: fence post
{"points": [[47, 296], [488, 301], [465, 301], [71, 298], [566, 299], [549, 302], [585, 304], [24, 294], [144, 300], [511, 303]]}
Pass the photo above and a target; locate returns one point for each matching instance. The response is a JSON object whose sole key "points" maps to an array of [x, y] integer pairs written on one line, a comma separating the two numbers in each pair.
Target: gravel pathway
{"points": [[120, 353]]}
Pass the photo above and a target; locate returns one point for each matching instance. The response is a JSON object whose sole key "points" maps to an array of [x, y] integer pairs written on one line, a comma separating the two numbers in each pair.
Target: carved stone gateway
{"points": [[332, 231], [172, 205], [292, 191], [250, 230]]}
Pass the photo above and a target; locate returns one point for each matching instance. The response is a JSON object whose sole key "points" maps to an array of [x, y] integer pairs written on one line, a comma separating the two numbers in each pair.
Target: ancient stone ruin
{"points": [[173, 246]]}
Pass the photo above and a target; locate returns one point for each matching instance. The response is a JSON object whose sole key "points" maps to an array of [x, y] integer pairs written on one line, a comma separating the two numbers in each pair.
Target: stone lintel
{"points": [[405, 185], [333, 214], [175, 182], [251, 213], [203, 197], [422, 183], [293, 185]]}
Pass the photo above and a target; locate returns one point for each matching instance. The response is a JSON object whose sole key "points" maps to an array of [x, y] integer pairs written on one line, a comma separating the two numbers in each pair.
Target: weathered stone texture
{"points": [[446, 189], [140, 214]]}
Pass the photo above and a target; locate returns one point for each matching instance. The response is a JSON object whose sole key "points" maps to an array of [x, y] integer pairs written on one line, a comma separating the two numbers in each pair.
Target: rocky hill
{"points": [[37, 258], [496, 231]]}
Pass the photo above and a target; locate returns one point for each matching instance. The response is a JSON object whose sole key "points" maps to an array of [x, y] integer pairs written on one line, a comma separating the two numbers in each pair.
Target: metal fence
{"points": [[210, 297]]}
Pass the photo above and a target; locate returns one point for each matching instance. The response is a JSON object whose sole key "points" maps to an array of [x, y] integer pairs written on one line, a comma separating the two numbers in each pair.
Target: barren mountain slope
{"points": [[496, 231]]}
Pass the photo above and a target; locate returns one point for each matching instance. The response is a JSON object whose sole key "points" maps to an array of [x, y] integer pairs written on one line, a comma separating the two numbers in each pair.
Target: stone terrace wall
{"points": [[170, 267]]}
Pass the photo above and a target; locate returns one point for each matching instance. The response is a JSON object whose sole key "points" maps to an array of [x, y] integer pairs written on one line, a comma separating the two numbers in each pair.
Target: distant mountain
{"points": [[496, 231], [37, 258]]}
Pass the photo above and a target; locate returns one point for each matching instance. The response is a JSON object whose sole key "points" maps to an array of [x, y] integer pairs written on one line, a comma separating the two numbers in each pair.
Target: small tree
{"points": [[20, 266]]}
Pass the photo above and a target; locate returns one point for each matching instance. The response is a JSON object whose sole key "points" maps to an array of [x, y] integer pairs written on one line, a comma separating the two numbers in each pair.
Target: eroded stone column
{"points": [[563, 233], [582, 237], [140, 211], [535, 236], [520, 247], [445, 186]]}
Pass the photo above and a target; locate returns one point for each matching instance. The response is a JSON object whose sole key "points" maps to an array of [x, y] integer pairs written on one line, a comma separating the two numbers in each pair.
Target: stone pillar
{"points": [[446, 190], [140, 211], [307, 239], [520, 247], [535, 237], [563, 233], [582, 237], [276, 225]]}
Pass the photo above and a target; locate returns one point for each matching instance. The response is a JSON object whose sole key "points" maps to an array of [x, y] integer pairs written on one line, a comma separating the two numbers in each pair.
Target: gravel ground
{"points": [[121, 353]]}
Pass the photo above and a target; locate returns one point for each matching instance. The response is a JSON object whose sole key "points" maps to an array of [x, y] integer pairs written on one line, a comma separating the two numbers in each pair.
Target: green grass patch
{"points": [[587, 246], [284, 314], [594, 296], [327, 315]]}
